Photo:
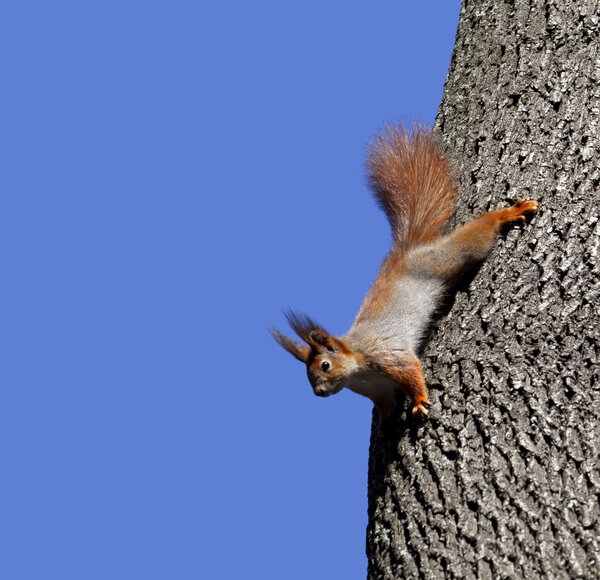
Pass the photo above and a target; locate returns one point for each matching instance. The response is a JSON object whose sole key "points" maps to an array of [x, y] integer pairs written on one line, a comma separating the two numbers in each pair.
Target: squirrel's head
{"points": [[329, 361]]}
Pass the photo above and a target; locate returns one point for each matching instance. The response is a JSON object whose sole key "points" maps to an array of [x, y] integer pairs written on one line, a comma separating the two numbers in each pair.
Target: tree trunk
{"points": [[503, 479]]}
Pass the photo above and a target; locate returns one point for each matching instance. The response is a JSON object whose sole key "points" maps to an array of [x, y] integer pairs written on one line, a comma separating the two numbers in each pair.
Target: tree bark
{"points": [[503, 479]]}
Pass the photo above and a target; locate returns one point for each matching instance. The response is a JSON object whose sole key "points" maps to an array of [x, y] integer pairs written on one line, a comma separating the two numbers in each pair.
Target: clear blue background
{"points": [[174, 175]]}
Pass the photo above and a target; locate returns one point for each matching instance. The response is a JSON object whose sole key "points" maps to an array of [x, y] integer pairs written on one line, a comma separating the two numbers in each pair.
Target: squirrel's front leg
{"points": [[410, 379]]}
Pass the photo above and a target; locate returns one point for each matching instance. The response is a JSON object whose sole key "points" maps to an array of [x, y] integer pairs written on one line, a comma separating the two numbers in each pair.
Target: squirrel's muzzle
{"points": [[322, 391]]}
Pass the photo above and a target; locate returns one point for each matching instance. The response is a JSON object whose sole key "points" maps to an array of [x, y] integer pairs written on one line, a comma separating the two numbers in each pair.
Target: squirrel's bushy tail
{"points": [[412, 181]]}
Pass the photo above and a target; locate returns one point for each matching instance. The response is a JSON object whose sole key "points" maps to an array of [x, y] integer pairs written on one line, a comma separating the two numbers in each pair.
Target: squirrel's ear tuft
{"points": [[298, 350], [311, 332], [321, 337], [301, 324]]}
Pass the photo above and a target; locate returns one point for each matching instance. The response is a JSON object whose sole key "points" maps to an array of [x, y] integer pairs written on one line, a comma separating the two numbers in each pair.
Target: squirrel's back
{"points": [[412, 181]]}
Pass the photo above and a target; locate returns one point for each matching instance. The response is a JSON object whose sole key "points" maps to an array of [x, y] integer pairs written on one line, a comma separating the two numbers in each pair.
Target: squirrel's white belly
{"points": [[414, 302], [402, 323], [393, 337]]}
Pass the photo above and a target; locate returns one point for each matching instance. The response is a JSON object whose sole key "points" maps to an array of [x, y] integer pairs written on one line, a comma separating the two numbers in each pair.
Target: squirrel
{"points": [[413, 183]]}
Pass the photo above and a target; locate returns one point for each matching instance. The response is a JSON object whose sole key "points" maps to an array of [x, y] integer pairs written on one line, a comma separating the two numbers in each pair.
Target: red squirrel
{"points": [[413, 183]]}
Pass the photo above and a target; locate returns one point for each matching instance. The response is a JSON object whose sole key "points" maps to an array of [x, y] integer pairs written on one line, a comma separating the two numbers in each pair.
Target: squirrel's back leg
{"points": [[469, 244]]}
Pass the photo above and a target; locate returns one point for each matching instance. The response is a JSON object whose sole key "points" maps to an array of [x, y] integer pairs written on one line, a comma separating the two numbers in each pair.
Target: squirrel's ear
{"points": [[300, 351], [321, 337]]}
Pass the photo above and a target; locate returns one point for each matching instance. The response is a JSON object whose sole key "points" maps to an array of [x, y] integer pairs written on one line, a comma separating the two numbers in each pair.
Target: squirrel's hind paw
{"points": [[419, 411], [519, 210]]}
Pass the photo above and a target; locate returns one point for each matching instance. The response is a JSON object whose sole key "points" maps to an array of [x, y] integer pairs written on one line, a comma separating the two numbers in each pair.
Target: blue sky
{"points": [[175, 175]]}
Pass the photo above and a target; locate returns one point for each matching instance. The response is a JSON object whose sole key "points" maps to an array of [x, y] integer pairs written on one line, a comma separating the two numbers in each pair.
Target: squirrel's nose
{"points": [[320, 391]]}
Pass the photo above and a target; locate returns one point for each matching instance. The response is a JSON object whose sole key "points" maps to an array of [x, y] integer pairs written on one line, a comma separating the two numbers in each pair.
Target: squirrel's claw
{"points": [[526, 205], [419, 411], [519, 211]]}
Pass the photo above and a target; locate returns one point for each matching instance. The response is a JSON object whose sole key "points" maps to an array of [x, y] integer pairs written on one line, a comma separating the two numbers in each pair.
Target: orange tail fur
{"points": [[413, 183]]}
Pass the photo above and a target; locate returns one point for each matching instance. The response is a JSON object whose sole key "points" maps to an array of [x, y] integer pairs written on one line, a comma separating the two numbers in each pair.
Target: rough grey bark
{"points": [[503, 479]]}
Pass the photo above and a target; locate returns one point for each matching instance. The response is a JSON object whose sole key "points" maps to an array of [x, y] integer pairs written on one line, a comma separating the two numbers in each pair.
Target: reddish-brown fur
{"points": [[380, 293], [478, 236], [470, 243], [410, 379], [412, 182]]}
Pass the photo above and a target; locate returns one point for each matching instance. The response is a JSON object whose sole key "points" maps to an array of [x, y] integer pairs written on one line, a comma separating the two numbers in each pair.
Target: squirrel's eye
{"points": [[325, 365]]}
